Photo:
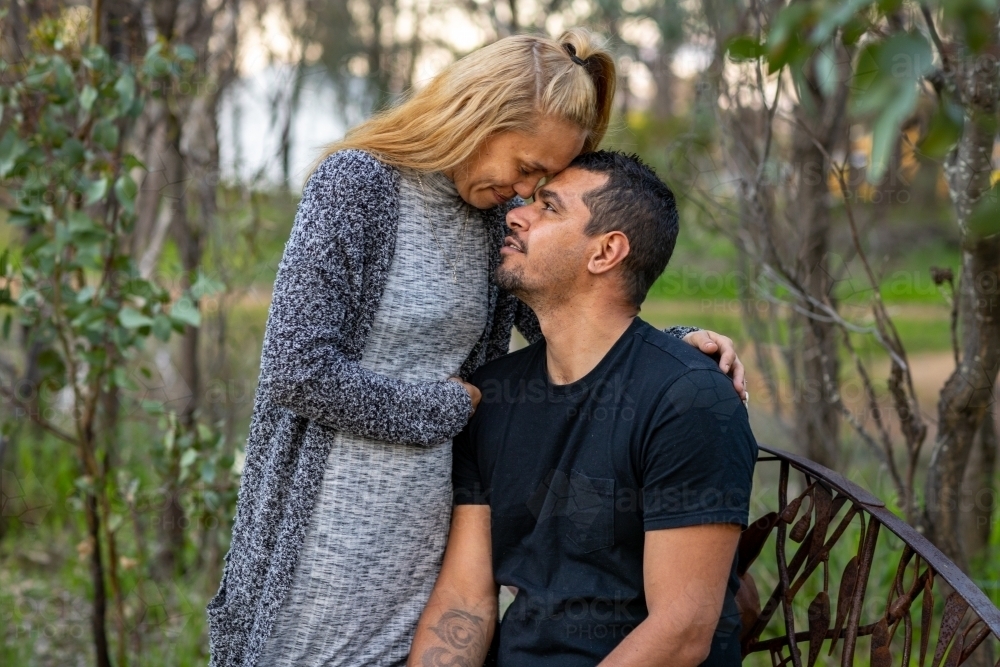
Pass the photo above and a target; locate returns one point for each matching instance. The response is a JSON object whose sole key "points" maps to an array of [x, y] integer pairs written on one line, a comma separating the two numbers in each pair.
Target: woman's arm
{"points": [[708, 342], [320, 281]]}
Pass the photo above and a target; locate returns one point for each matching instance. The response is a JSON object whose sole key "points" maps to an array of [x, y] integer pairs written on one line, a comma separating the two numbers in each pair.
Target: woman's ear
{"points": [[611, 250]]}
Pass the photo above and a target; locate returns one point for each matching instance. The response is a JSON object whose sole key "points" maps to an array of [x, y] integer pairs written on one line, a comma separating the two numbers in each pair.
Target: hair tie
{"points": [[571, 50]]}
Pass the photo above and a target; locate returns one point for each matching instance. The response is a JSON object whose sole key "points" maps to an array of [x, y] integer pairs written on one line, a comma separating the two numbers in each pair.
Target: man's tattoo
{"points": [[464, 641]]}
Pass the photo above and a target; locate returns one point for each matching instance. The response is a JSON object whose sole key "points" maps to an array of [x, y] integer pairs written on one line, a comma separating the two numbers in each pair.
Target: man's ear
{"points": [[612, 248]]}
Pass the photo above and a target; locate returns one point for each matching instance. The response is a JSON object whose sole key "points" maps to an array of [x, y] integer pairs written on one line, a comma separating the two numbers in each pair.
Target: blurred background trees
{"points": [[836, 166]]}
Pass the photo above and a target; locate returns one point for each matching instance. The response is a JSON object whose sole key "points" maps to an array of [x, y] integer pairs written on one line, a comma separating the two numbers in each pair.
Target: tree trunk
{"points": [[984, 495], [818, 130], [98, 618], [178, 176], [967, 396]]}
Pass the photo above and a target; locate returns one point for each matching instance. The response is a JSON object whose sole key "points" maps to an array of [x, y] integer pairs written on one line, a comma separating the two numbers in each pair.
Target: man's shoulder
{"points": [[669, 353], [689, 378]]}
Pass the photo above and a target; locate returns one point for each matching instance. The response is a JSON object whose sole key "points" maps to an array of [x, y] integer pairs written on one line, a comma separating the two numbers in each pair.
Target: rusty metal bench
{"points": [[832, 518]]}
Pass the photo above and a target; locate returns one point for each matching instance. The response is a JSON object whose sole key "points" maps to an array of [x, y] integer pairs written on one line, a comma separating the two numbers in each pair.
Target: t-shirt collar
{"points": [[581, 385]]}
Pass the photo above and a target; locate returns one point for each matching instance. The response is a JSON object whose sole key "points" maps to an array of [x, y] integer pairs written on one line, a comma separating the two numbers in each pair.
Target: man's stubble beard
{"points": [[510, 280]]}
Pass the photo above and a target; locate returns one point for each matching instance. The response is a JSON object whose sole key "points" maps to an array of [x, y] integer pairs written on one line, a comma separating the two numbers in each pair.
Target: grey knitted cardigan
{"points": [[328, 287]]}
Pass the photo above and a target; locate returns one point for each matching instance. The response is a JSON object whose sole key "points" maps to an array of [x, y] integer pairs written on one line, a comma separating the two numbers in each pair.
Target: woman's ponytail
{"points": [[599, 65]]}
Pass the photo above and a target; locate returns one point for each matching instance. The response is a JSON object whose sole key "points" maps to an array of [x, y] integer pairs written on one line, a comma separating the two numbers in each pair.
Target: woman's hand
{"points": [[474, 392], [721, 347]]}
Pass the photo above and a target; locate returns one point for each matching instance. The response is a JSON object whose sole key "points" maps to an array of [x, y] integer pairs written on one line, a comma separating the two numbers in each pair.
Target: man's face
{"points": [[546, 255]]}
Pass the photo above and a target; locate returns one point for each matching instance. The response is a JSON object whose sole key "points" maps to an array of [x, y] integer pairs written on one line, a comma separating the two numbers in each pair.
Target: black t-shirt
{"points": [[653, 437]]}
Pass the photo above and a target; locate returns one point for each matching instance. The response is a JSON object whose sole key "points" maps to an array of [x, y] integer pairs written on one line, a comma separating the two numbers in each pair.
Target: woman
{"points": [[383, 293]]}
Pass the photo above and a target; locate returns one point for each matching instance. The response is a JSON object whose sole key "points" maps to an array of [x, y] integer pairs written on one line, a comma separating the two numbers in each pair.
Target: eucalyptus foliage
{"points": [[68, 283]]}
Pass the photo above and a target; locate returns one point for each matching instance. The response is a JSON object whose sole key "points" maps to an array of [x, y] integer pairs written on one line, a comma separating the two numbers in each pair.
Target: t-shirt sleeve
{"points": [[698, 457], [465, 473]]}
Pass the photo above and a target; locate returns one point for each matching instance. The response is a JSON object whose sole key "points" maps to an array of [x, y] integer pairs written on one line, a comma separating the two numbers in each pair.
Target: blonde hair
{"points": [[501, 87]]}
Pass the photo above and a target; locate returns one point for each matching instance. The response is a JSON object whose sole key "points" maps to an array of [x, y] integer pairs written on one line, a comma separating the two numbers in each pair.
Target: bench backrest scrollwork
{"points": [[827, 606]]}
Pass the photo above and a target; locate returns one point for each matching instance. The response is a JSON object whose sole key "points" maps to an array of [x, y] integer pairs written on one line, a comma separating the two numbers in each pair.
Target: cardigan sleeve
{"points": [[320, 282], [527, 323]]}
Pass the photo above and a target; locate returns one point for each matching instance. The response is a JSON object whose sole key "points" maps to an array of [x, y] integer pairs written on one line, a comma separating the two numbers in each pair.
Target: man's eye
{"points": [[548, 206]]}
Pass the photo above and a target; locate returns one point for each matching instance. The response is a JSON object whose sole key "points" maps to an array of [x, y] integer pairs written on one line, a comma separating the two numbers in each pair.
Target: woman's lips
{"points": [[500, 199]]}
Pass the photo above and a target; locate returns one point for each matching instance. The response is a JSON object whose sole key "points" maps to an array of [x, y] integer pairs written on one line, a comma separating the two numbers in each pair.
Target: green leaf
{"points": [[853, 30], [87, 97], [205, 286], [204, 432], [125, 192], [80, 222], [885, 131], [155, 48], [131, 162], [784, 44], [125, 87], [105, 134], [156, 66], [836, 16], [184, 312], [744, 47], [72, 152], [11, 148], [189, 457], [943, 131], [95, 57], [161, 327], [96, 191], [133, 319], [985, 218], [886, 84], [827, 74], [185, 52], [85, 294]]}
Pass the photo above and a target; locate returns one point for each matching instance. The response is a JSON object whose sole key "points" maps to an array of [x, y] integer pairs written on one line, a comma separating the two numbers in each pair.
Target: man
{"points": [[606, 473]]}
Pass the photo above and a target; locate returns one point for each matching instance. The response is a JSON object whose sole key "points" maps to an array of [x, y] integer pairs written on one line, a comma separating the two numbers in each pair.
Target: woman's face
{"points": [[512, 163]]}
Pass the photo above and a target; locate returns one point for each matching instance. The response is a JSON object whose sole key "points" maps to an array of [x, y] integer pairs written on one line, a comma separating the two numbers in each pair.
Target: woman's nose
{"points": [[526, 188]]}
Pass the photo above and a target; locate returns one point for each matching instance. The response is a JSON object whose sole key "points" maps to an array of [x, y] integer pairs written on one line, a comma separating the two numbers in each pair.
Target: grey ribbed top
{"points": [[374, 543]]}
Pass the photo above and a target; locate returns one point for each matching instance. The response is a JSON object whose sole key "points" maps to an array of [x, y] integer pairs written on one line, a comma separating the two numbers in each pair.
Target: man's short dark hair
{"points": [[637, 203]]}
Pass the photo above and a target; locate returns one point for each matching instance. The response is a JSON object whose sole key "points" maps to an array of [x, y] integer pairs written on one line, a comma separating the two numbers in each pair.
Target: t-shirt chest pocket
{"points": [[580, 507]]}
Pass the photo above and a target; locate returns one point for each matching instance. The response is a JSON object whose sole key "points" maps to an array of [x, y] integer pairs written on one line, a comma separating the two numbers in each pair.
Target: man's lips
{"points": [[511, 244]]}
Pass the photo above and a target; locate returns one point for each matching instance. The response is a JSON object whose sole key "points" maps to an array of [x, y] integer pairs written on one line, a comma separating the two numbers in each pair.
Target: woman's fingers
{"points": [[473, 390], [738, 374]]}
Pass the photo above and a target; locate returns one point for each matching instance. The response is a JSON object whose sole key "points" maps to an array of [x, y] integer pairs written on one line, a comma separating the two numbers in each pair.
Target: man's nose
{"points": [[517, 218]]}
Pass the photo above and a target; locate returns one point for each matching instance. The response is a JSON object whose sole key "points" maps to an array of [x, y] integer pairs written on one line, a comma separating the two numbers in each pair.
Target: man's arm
{"points": [[685, 571], [457, 625]]}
